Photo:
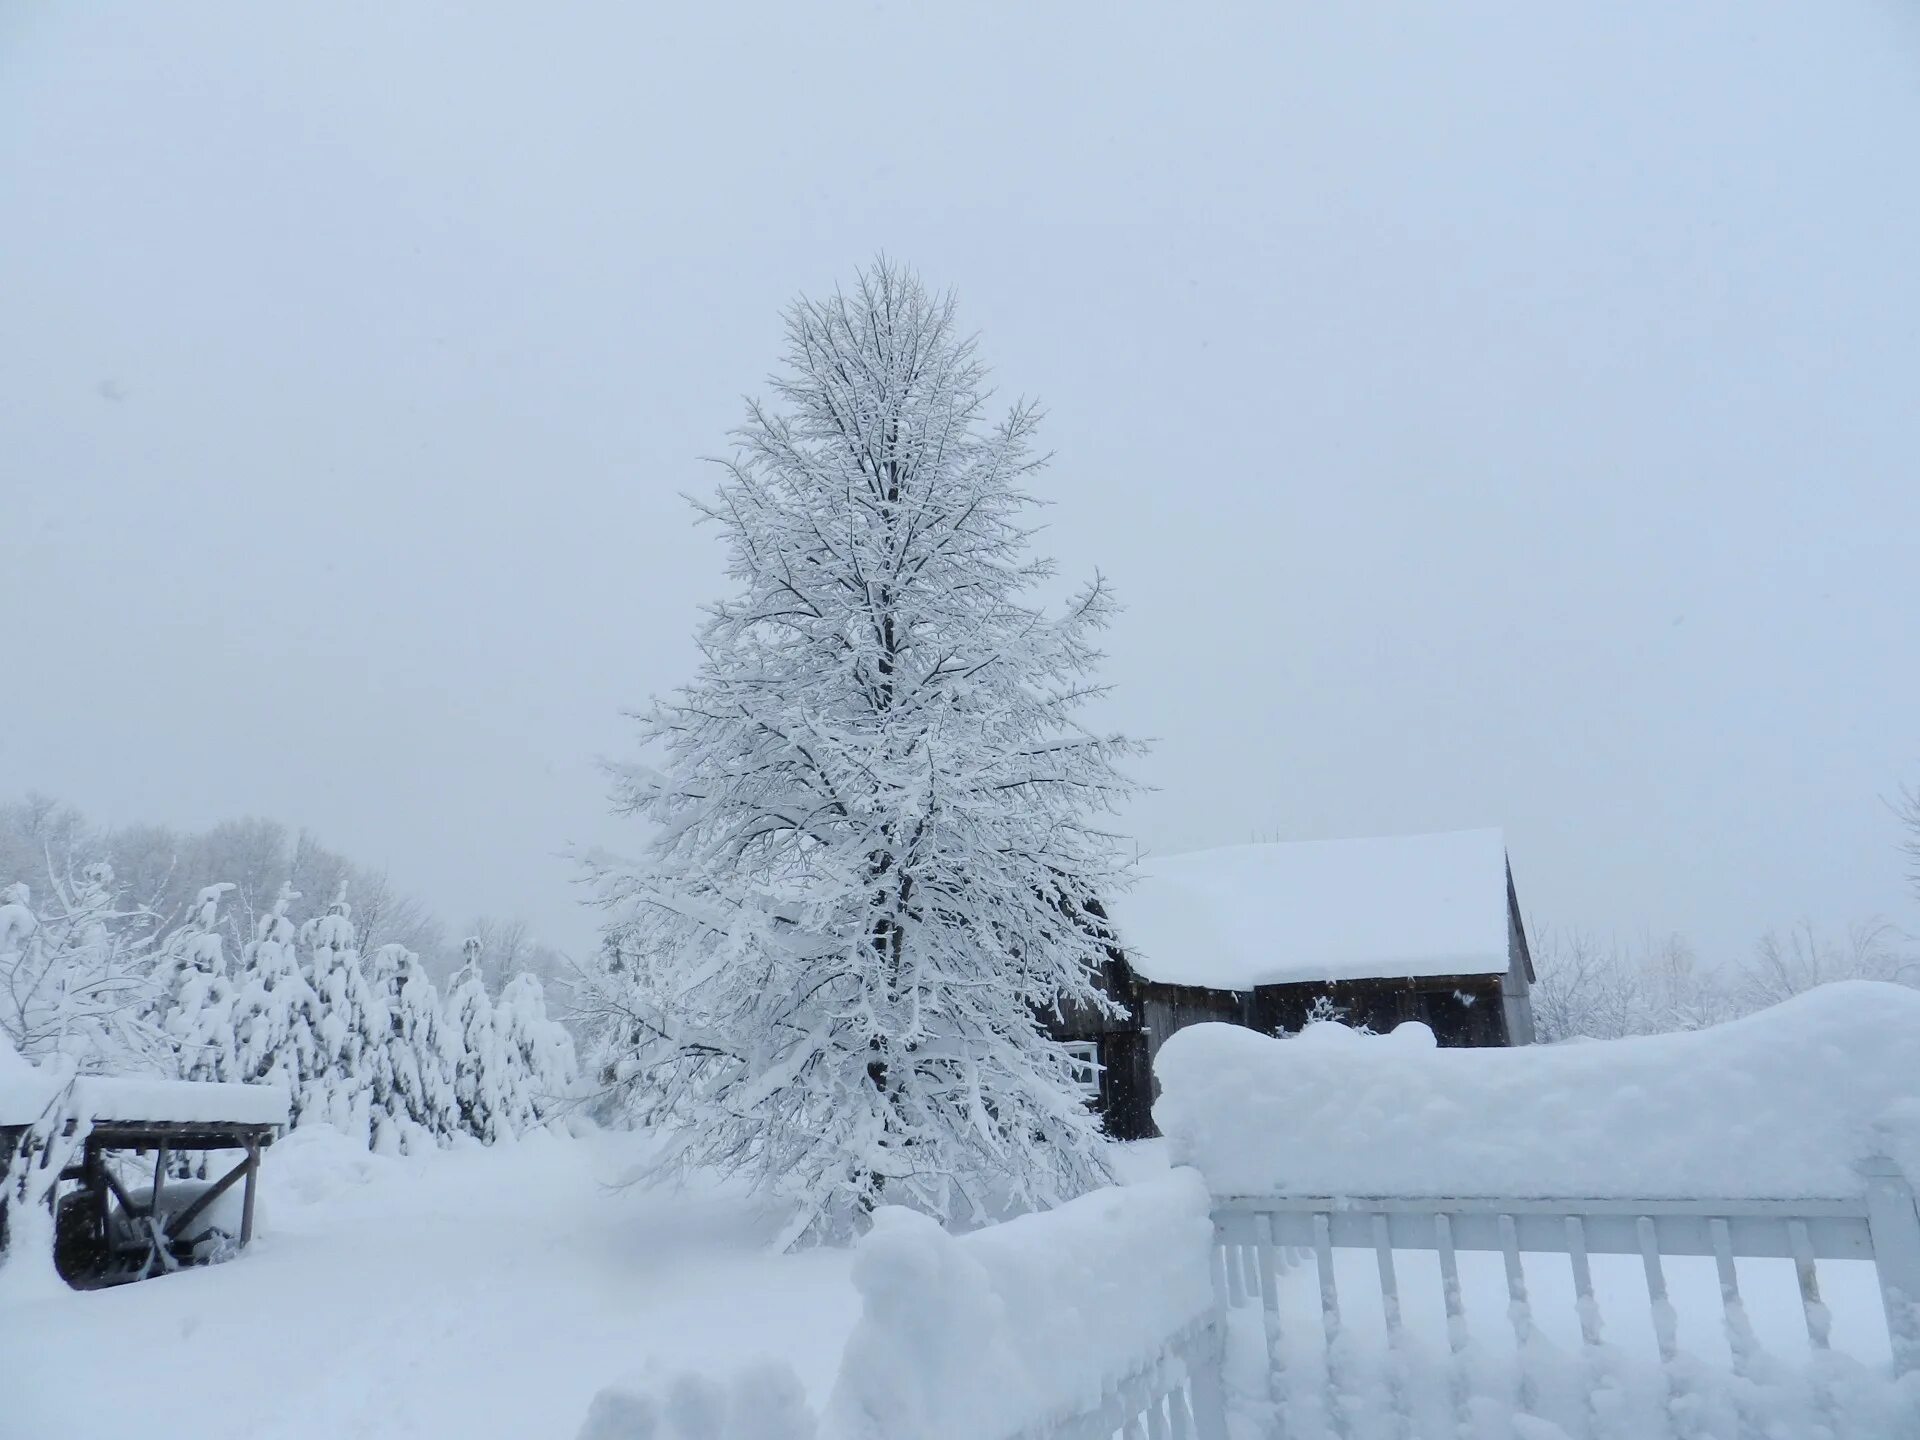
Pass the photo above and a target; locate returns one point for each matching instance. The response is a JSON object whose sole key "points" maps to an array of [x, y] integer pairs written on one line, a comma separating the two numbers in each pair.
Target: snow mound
{"points": [[1783, 1104], [316, 1163], [1277, 914], [25, 1091], [764, 1401], [1002, 1330]]}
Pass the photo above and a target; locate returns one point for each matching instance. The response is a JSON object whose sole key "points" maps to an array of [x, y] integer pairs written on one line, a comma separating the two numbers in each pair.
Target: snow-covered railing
{"points": [[1365, 1186], [1093, 1320], [1323, 1376]]}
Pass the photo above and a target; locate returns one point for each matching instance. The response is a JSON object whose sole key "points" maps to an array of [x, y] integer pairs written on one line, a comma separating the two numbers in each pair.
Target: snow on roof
{"points": [[1783, 1104], [1302, 911], [26, 1092], [116, 1097]]}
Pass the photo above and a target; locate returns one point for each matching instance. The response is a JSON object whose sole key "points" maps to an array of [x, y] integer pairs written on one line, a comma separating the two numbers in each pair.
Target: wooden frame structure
{"points": [[87, 1248], [106, 1233]]}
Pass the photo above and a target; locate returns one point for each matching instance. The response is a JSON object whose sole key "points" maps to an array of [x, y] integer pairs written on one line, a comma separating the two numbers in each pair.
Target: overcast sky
{"points": [[1492, 414]]}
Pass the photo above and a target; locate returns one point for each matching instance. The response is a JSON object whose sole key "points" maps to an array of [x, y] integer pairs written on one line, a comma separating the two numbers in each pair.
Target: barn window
{"points": [[1083, 1058]]}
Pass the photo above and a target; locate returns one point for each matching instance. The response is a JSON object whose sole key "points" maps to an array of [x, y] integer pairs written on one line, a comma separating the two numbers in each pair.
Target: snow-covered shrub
{"points": [[479, 1062], [353, 1026], [193, 996], [75, 976], [419, 1108], [276, 1014], [33, 1096], [539, 1052]]}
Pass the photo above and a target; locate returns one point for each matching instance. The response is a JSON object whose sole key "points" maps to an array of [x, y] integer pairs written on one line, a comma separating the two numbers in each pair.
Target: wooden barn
{"points": [[1371, 932]]}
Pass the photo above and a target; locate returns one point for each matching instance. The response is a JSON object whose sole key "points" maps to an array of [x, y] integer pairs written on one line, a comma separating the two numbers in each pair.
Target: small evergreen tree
{"points": [[421, 1103], [194, 1007], [539, 1051], [353, 1025], [277, 1017], [479, 1060]]}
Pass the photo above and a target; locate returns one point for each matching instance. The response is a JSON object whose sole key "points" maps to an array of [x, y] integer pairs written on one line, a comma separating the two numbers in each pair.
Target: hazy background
{"points": [[1491, 413]]}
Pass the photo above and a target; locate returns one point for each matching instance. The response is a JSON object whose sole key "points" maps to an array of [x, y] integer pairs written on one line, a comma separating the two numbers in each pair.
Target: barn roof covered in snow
{"points": [[1323, 910]]}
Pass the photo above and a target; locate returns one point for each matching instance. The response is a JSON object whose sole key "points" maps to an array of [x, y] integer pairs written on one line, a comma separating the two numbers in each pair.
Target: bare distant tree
{"points": [[1908, 809], [505, 945], [1785, 965], [1603, 989]]}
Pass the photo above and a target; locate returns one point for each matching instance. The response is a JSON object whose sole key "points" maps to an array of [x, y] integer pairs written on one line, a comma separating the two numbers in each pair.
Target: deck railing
{"points": [[1266, 1244]]}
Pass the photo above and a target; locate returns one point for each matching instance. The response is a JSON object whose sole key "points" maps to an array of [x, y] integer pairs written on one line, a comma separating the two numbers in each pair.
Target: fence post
{"points": [[1895, 1226], [1204, 1383]]}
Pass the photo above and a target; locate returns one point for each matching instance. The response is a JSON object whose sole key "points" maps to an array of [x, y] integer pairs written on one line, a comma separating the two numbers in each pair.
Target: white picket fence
{"points": [[1326, 1384]]}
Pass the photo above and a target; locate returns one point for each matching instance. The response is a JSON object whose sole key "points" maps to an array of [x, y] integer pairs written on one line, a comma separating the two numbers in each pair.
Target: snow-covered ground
{"points": [[477, 1293]]}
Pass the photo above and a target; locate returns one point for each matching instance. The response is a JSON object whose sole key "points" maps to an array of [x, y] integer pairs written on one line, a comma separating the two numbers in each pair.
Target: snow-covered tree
{"points": [[539, 1051], [194, 1004], [420, 1105], [276, 1019], [75, 978], [879, 816], [477, 1057], [353, 1024]]}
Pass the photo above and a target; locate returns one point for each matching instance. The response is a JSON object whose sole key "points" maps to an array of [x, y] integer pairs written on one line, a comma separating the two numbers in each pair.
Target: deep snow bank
{"points": [[999, 1331], [1782, 1103]]}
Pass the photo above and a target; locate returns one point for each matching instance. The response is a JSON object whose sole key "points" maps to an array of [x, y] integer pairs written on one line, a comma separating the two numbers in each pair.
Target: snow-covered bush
{"points": [[481, 1074], [357, 1075], [276, 1014], [32, 1097], [75, 976], [193, 996], [419, 1110], [538, 1053]]}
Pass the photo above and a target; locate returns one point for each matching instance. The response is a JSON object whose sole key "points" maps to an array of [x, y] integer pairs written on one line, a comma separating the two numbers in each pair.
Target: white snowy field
{"points": [[492, 1292], [478, 1293]]}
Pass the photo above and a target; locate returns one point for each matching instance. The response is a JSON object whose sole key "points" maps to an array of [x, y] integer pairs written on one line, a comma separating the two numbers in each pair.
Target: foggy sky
{"points": [[1490, 414]]}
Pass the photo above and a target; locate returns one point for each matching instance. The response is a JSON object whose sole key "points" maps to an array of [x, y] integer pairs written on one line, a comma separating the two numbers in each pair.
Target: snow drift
{"points": [[1785, 1103], [999, 1331]]}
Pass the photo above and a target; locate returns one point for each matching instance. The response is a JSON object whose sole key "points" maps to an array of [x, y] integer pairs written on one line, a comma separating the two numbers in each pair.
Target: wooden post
{"points": [[97, 1179], [180, 1224], [252, 1183], [1895, 1225]]}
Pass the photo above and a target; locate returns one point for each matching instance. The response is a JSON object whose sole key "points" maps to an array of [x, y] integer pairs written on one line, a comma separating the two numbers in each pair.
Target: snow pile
{"points": [[1011, 1328], [1326, 910], [1784, 1103], [764, 1401], [24, 1090], [315, 1163]]}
